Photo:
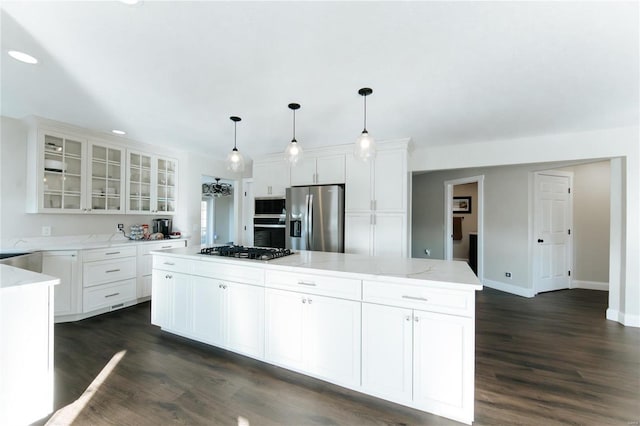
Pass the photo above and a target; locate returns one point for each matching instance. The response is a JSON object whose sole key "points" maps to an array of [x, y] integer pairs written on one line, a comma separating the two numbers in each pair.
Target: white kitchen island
{"points": [[395, 328]]}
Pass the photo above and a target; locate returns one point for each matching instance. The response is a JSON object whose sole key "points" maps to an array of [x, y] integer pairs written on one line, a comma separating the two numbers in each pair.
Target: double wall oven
{"points": [[269, 222]]}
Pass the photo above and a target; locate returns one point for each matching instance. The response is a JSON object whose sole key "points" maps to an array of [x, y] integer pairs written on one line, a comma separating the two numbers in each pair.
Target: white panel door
{"points": [[284, 328], [387, 335], [357, 233], [245, 318], [442, 375], [162, 298], [209, 310], [333, 339], [551, 231], [182, 302], [388, 235], [63, 265]]}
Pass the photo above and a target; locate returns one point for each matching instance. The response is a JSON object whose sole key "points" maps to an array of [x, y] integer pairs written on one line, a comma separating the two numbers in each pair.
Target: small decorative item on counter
{"points": [[156, 236], [145, 231], [175, 235], [136, 232]]}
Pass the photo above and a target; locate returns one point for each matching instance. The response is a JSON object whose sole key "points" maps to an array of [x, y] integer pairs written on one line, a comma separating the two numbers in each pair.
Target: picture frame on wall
{"points": [[462, 205]]}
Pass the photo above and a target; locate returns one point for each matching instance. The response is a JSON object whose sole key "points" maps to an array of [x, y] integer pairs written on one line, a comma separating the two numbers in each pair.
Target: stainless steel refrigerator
{"points": [[315, 218]]}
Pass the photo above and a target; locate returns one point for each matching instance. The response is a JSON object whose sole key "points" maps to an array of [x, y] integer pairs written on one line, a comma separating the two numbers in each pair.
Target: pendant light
{"points": [[293, 153], [365, 148], [235, 161]]}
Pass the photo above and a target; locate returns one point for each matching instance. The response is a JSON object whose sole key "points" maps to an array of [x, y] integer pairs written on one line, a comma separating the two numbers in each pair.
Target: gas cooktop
{"points": [[257, 253]]}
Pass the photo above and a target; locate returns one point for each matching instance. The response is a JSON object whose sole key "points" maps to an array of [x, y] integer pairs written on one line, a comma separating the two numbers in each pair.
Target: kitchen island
{"points": [[398, 329]]}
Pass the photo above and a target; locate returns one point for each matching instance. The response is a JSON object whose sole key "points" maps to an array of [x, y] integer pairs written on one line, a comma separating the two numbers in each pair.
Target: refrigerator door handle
{"points": [[310, 219]]}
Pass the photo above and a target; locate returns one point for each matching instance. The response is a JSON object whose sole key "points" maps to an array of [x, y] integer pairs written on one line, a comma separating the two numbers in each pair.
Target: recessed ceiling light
{"points": [[22, 57], [119, 132]]}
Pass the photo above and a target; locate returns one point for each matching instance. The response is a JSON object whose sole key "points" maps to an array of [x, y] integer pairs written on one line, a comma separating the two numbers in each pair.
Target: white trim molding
{"points": [[590, 285], [509, 288], [627, 320]]}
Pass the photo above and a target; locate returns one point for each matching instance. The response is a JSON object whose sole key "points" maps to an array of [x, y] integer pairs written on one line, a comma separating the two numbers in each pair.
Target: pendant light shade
{"points": [[235, 161], [365, 148], [293, 153]]}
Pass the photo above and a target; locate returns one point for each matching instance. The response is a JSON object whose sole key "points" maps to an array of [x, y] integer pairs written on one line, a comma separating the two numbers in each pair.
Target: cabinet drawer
{"points": [[108, 295], [228, 272], [419, 297], [175, 264], [106, 271], [146, 248], [108, 253], [346, 288]]}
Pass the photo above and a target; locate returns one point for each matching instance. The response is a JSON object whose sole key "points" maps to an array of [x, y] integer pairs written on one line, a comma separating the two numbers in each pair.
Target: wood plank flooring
{"points": [[553, 359]]}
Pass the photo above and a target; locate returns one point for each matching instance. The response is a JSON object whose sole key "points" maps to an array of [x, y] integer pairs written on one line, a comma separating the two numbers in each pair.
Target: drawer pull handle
{"points": [[166, 247], [113, 252], [112, 270], [111, 295], [306, 283], [422, 299], [169, 263]]}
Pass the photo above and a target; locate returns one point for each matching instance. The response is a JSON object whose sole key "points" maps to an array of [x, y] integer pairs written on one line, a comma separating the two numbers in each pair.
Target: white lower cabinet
{"points": [[68, 294], [316, 334], [418, 358]]}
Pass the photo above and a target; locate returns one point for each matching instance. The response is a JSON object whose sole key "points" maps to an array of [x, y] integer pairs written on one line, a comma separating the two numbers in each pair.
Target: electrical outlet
{"points": [[507, 274], [120, 226], [427, 252], [46, 231]]}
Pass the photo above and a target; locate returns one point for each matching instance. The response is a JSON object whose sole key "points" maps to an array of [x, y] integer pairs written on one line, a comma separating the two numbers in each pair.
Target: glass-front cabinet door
{"points": [[62, 182], [107, 179], [139, 181], [166, 185]]}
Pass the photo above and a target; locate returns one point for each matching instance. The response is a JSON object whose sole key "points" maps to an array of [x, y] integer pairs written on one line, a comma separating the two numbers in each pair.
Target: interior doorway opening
{"points": [[464, 206], [217, 207]]}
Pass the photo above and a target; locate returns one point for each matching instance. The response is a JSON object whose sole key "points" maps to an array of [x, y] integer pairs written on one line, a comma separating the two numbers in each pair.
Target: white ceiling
{"points": [[172, 73]]}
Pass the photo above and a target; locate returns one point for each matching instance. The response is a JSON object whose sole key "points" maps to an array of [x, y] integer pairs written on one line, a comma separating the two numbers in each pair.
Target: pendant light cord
{"points": [[235, 132], [365, 113], [294, 126]]}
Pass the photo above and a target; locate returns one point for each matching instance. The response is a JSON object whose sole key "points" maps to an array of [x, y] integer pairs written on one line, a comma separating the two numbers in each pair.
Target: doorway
{"points": [[464, 207], [217, 220]]}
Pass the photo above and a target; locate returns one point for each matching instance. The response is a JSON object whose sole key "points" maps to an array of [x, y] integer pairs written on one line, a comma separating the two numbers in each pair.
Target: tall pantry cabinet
{"points": [[376, 202]]}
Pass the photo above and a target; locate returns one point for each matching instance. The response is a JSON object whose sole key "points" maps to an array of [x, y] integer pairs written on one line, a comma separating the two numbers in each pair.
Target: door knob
{"points": [[540, 240]]}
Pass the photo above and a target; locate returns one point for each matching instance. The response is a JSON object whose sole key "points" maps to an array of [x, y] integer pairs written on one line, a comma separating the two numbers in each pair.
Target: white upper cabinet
{"points": [[106, 185], [319, 170], [152, 183], [270, 178]]}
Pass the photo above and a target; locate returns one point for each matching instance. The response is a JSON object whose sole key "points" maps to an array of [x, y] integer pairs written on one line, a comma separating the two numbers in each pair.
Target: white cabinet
{"points": [[71, 174], [171, 301], [270, 178], [417, 352], [152, 183], [67, 294], [229, 315], [376, 203], [108, 278], [319, 170], [56, 172], [144, 263], [315, 334]]}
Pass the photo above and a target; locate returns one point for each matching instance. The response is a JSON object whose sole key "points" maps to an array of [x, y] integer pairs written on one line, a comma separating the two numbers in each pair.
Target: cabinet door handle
{"points": [[169, 263], [309, 300], [422, 299], [417, 319], [304, 300], [168, 276], [111, 253], [408, 318], [307, 283], [111, 295], [112, 270]]}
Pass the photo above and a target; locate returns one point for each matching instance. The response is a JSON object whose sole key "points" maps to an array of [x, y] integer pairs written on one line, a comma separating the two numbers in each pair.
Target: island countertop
{"points": [[409, 270]]}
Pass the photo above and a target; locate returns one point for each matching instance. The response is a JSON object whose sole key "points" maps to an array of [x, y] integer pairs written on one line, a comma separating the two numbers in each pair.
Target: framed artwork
{"points": [[462, 205]]}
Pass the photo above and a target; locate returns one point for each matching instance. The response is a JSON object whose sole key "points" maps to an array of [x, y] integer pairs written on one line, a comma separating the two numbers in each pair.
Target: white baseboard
{"points": [[624, 319], [509, 288], [590, 285], [461, 259]]}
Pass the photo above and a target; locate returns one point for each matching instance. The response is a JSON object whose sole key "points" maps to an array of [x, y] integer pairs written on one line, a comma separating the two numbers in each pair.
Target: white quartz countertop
{"points": [[410, 270], [11, 277], [85, 242]]}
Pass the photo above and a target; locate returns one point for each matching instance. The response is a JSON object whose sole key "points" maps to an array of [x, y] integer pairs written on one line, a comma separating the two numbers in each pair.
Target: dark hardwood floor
{"points": [[553, 359]]}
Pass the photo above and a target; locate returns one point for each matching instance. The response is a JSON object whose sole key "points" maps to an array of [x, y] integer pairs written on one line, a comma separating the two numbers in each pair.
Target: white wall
{"points": [[624, 270], [15, 223]]}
